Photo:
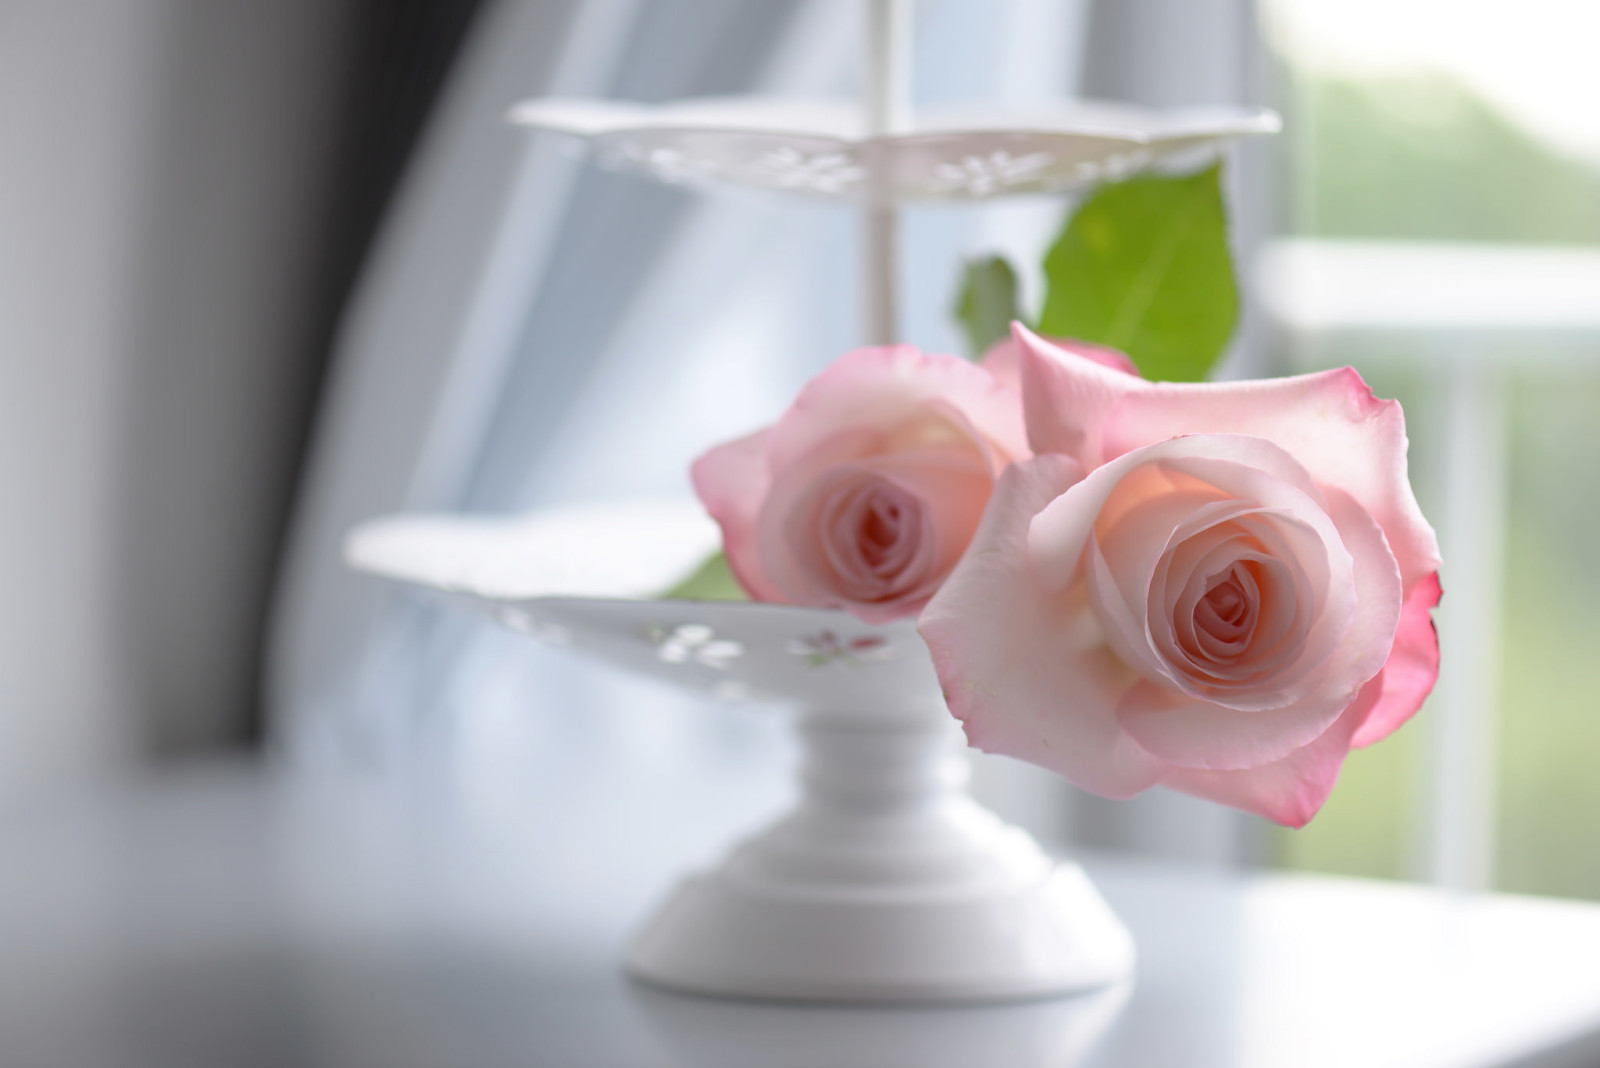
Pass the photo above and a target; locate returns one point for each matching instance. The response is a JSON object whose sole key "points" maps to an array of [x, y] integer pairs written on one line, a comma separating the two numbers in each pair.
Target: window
{"points": [[1443, 197]]}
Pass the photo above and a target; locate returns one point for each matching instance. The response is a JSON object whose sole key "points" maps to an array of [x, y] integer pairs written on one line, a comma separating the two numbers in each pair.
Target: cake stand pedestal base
{"points": [[887, 883]]}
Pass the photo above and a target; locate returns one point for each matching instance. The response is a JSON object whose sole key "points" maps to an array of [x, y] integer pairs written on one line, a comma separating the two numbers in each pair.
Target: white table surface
{"points": [[226, 919]]}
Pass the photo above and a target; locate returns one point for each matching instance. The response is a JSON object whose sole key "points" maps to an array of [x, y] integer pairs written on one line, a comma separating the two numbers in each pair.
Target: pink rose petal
{"points": [[1291, 790], [731, 480], [1027, 674], [1330, 422], [885, 387], [1003, 359], [1412, 668]]}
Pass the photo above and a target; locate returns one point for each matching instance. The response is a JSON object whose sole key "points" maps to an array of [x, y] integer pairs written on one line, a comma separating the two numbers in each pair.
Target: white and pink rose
{"points": [[867, 491], [1220, 588]]}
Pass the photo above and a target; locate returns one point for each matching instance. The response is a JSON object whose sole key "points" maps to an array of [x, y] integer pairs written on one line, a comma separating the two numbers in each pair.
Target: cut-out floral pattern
{"points": [[821, 172], [826, 647], [694, 643], [671, 165], [983, 175], [822, 150]]}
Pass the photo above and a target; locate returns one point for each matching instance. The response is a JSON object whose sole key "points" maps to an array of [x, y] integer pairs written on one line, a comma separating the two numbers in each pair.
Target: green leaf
{"points": [[986, 302], [1143, 266], [711, 581]]}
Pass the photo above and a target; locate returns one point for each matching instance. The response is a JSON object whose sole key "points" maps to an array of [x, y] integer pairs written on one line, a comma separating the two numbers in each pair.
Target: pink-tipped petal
{"points": [[1004, 358], [1413, 666], [1288, 791], [731, 480], [1067, 397], [1329, 421], [1026, 671]]}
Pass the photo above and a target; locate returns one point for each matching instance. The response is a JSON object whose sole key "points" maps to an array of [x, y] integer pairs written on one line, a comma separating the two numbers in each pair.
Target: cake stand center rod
{"points": [[886, 100]]}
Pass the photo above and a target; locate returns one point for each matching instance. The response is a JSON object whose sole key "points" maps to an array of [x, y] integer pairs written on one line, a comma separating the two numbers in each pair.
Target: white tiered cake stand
{"points": [[886, 882]]}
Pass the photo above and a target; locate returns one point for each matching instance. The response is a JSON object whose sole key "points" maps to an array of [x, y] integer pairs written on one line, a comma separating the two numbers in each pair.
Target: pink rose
{"points": [[1219, 588], [867, 491]]}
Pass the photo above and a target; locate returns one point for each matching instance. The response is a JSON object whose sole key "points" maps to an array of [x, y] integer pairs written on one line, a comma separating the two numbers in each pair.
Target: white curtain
{"points": [[536, 331]]}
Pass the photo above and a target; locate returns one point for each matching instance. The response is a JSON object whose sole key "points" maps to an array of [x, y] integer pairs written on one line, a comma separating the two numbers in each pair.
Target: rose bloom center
{"points": [[1227, 611], [881, 530], [872, 537], [880, 523]]}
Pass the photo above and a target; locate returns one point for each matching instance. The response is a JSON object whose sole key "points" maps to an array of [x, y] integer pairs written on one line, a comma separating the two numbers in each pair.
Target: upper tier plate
{"points": [[819, 147]]}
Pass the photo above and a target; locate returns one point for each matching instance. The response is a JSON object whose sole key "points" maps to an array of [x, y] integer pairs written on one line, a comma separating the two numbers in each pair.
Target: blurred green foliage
{"points": [[986, 302], [1549, 732], [1142, 266], [1424, 158]]}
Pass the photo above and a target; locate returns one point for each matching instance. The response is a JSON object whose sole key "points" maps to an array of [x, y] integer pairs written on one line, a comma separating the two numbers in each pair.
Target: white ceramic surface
{"points": [[886, 882], [820, 148], [232, 914]]}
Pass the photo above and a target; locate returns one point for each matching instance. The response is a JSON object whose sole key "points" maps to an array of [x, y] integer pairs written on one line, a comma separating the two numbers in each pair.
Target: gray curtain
{"points": [[188, 189]]}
